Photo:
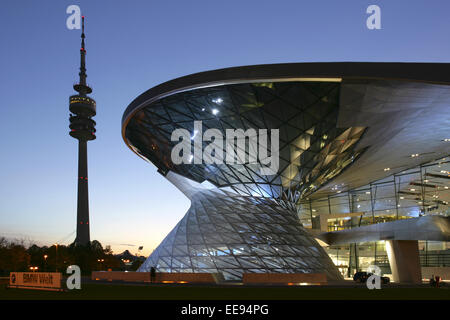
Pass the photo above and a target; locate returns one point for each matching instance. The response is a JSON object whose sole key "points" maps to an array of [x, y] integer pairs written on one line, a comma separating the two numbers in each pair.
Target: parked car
{"points": [[363, 276]]}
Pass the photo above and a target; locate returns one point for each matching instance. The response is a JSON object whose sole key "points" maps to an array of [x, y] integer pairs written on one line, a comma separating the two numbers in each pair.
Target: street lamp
{"points": [[101, 262], [45, 262], [56, 257]]}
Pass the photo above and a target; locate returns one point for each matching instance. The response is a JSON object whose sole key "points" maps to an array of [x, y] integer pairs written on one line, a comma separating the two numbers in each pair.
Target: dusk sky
{"points": [[133, 46]]}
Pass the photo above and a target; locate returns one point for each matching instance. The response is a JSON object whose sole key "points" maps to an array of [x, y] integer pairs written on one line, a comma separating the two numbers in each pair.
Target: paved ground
{"points": [[133, 291], [332, 284]]}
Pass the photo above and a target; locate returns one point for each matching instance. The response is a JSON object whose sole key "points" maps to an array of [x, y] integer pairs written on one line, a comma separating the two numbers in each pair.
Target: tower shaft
{"points": [[83, 236]]}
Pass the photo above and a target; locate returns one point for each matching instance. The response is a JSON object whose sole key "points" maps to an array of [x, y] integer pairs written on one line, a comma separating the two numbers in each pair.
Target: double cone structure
{"points": [[233, 234], [241, 221]]}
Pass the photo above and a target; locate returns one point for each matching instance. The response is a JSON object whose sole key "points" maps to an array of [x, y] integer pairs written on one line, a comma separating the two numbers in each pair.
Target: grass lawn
{"points": [[92, 291]]}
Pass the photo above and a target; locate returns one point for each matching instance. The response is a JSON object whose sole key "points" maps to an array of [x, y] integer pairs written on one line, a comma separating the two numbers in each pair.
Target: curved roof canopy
{"points": [[331, 117]]}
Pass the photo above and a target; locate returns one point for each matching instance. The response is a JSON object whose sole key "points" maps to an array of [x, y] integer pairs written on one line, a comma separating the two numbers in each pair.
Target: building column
{"points": [[404, 260]]}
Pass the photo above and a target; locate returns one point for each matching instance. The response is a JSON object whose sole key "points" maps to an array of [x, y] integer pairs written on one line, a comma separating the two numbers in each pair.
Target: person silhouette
{"points": [[152, 274]]}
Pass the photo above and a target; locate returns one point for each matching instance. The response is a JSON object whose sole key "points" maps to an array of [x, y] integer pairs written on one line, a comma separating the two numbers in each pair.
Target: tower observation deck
{"points": [[82, 127]]}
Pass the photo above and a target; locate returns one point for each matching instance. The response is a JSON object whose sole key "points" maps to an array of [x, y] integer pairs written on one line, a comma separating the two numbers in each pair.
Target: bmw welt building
{"points": [[249, 145]]}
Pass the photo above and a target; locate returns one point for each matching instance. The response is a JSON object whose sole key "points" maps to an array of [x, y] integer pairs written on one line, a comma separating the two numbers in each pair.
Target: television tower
{"points": [[82, 127]]}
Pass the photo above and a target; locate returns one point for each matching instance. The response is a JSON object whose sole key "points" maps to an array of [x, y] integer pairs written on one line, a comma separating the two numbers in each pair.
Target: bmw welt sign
{"points": [[35, 280]]}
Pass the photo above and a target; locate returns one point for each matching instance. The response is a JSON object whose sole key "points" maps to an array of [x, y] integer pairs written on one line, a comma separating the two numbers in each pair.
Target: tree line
{"points": [[15, 256]]}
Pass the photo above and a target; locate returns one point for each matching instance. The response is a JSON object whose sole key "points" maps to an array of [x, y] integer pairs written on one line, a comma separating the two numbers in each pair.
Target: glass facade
{"points": [[312, 148], [233, 235], [420, 191]]}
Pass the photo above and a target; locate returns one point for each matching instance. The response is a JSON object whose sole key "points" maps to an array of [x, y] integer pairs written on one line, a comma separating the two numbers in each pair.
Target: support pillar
{"points": [[404, 260]]}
